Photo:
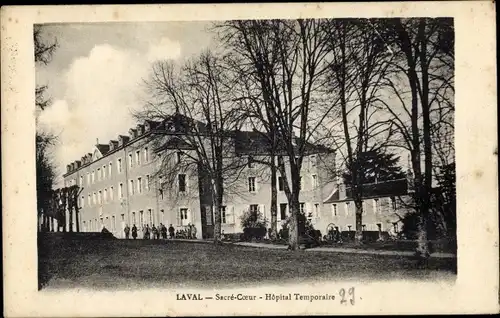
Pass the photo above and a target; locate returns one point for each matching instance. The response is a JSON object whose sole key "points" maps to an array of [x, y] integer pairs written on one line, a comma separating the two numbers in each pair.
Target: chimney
{"points": [[294, 141], [342, 192], [97, 141]]}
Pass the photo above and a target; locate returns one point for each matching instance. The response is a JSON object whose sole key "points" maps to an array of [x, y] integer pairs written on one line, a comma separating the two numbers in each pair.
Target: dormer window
{"points": [[250, 162]]}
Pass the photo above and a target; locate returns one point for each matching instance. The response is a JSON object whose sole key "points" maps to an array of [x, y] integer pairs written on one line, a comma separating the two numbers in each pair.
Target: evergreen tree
{"points": [[375, 166]]}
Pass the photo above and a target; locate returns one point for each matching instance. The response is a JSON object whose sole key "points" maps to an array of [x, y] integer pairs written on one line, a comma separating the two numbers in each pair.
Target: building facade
{"points": [[123, 184]]}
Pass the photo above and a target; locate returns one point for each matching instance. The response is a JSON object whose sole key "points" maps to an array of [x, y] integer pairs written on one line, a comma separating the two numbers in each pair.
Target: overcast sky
{"points": [[95, 77]]}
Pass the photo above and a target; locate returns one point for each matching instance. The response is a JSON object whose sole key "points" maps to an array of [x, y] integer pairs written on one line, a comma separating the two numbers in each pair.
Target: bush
{"points": [[254, 225], [283, 233]]}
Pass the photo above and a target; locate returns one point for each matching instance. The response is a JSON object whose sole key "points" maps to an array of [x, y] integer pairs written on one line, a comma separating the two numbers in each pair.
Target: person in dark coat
{"points": [[154, 230], [134, 232], [163, 230], [127, 231], [171, 231]]}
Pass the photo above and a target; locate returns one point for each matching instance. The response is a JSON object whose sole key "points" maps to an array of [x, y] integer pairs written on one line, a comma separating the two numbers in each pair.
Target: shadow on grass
{"points": [[106, 264]]}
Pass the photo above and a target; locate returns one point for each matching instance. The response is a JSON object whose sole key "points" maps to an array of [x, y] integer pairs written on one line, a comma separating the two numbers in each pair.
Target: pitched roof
{"points": [[373, 190], [255, 142]]}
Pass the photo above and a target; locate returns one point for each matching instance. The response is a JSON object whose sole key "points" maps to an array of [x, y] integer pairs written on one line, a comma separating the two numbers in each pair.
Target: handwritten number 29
{"points": [[350, 295]]}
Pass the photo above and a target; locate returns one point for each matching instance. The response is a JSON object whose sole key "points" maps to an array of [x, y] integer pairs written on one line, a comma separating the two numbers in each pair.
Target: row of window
{"points": [[281, 183], [107, 170], [96, 225], [101, 196], [251, 162], [376, 206]]}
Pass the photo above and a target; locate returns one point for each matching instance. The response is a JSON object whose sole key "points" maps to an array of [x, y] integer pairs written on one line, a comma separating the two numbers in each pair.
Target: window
{"points": [[281, 184], [99, 197], [111, 193], [183, 214], [161, 186], [123, 217], [313, 161], [147, 182], [141, 217], [82, 203], [133, 218], [316, 210], [314, 181], [209, 217], [89, 199], [94, 198], [394, 203], [179, 156], [396, 227], [138, 157], [139, 185], [250, 162], [130, 160], [113, 223], [182, 182], [98, 174], [347, 208], [150, 216], [283, 211], [103, 172], [254, 210], [376, 206], [131, 187], [223, 214], [81, 181], [120, 191], [93, 176], [88, 177], [146, 154], [363, 227], [302, 208], [110, 169], [334, 207], [105, 195], [119, 166], [162, 213], [251, 184]]}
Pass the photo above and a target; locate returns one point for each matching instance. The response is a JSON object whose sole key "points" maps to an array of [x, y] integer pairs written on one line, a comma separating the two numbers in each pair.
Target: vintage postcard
{"points": [[249, 159]]}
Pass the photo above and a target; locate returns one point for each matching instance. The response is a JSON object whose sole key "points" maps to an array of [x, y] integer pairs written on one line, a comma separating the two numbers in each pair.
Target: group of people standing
{"points": [[161, 230]]}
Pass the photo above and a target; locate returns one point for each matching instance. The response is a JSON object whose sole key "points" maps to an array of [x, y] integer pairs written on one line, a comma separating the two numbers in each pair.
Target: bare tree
{"points": [[425, 63], [359, 62], [286, 61], [45, 169], [193, 101]]}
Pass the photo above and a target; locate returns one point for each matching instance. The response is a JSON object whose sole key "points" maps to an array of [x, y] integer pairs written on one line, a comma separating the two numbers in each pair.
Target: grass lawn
{"points": [[122, 264]]}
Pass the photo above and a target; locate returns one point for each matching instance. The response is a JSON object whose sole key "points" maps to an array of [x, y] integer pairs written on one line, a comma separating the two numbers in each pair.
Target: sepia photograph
{"points": [[203, 155], [209, 153]]}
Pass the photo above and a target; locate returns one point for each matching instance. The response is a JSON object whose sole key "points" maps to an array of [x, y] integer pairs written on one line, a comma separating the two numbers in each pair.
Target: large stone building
{"points": [[122, 184]]}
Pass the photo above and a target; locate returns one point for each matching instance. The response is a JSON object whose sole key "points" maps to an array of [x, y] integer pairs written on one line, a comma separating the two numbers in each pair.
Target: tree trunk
{"points": [[76, 218], [70, 215], [217, 203], [293, 226], [274, 201], [358, 238], [419, 198], [427, 184]]}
